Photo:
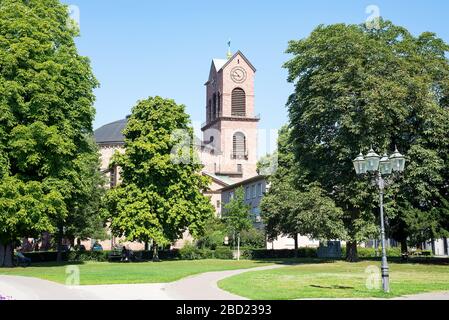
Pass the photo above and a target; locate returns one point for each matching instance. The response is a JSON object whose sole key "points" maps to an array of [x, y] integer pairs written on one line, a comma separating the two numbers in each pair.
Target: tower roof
{"points": [[244, 58], [219, 63]]}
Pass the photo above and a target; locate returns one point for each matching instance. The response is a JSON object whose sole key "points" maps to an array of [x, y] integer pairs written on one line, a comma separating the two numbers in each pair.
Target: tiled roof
{"points": [[111, 133]]}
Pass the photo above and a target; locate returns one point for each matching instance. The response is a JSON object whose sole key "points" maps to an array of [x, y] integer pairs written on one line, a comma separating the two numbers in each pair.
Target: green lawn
{"points": [[335, 280], [92, 273]]}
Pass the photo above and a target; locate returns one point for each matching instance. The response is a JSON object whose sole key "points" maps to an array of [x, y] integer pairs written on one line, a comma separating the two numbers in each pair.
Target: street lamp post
{"points": [[373, 163]]}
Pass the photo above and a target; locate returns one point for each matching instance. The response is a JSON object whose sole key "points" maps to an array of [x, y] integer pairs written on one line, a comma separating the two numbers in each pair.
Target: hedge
{"points": [[44, 256], [312, 253], [373, 252], [100, 256], [279, 254], [190, 252]]}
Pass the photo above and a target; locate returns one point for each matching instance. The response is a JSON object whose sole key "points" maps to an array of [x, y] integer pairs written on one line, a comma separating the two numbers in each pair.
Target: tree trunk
{"points": [[238, 247], [72, 241], [351, 251], [155, 252], [6, 254], [2, 254], [59, 244], [296, 245], [147, 247], [404, 246]]}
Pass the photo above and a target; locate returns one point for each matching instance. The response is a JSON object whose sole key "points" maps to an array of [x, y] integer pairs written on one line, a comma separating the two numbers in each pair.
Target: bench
{"points": [[115, 255]]}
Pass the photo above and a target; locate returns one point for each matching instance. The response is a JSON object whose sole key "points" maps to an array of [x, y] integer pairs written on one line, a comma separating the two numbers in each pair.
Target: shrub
{"points": [[190, 252], [214, 234], [307, 252], [374, 252], [213, 240], [253, 238], [279, 254], [99, 256], [224, 253], [45, 256]]}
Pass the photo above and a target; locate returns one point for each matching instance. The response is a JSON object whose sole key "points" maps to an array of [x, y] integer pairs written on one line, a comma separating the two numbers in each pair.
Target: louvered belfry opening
{"points": [[239, 146], [238, 103]]}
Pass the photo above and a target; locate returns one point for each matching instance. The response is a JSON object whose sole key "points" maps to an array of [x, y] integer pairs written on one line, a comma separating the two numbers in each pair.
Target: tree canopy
{"points": [[357, 87], [160, 197], [290, 210], [46, 114], [237, 213]]}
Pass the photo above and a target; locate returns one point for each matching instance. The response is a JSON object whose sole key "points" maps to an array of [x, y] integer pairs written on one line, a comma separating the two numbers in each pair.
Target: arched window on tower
{"points": [[238, 103], [239, 146]]}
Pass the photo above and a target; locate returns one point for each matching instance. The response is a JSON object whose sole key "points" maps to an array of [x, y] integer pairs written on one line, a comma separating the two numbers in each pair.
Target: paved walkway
{"points": [[426, 296], [198, 287], [201, 287], [204, 286]]}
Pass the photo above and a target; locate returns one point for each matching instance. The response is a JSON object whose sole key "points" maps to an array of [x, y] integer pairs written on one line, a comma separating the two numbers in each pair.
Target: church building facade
{"points": [[228, 147]]}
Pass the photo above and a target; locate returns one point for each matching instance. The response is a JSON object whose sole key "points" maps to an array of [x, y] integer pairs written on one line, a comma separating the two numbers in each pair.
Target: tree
{"points": [[357, 87], [214, 234], [160, 196], [237, 216], [46, 114], [84, 219], [290, 210]]}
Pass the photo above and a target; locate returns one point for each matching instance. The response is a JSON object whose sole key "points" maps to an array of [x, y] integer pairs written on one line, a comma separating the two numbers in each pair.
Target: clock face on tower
{"points": [[238, 74]]}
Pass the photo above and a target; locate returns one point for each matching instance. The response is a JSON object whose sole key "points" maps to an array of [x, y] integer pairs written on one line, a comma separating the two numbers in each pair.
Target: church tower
{"points": [[231, 123]]}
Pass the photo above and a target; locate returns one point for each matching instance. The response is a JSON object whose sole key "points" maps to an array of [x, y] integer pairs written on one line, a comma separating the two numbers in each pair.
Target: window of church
{"points": [[209, 111], [112, 178], [239, 168], [214, 107], [238, 103], [259, 189], [239, 146]]}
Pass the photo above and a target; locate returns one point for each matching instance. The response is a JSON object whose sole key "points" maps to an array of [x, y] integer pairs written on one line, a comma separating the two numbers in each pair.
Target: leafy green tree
{"points": [[46, 114], [160, 196], [214, 234], [290, 210], [84, 219], [254, 238], [237, 216], [357, 87]]}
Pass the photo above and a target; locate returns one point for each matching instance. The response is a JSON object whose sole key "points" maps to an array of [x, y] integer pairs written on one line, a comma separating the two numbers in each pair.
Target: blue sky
{"points": [[141, 48]]}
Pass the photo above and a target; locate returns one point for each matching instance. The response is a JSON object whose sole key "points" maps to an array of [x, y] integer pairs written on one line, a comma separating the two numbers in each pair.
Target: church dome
{"points": [[111, 133]]}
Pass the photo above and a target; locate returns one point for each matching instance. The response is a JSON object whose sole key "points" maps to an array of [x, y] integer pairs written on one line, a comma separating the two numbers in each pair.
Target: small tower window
{"points": [[214, 107], [209, 111]]}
